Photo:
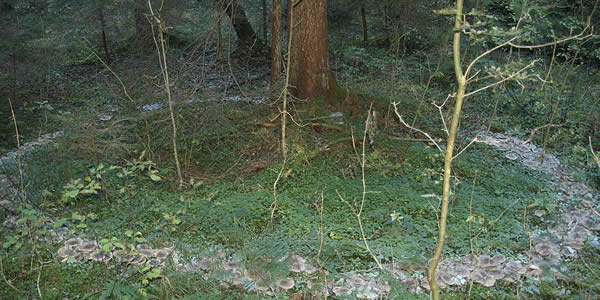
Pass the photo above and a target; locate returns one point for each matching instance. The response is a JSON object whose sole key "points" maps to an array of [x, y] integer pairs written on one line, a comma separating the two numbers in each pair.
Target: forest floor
{"points": [[103, 216], [551, 244]]}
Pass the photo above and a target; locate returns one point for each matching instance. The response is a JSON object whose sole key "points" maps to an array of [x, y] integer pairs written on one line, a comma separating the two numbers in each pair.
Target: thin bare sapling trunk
{"points": [[460, 96], [284, 111], [101, 18], [463, 78], [276, 44], [363, 16], [161, 49]]}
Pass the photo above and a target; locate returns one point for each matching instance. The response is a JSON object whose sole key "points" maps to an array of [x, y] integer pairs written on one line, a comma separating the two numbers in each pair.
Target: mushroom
{"points": [[447, 279], [146, 252], [297, 265], [138, 260], [286, 284], [65, 251], [341, 291], [162, 253], [309, 269], [482, 277], [155, 262], [88, 246], [73, 242], [498, 260], [485, 261], [356, 282], [543, 249]]}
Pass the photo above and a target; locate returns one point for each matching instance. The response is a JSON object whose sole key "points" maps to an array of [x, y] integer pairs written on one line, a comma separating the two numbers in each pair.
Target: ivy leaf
{"points": [[155, 177], [59, 223]]}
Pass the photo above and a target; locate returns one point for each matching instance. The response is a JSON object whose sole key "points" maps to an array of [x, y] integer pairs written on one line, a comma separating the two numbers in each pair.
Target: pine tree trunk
{"points": [[142, 26], [310, 76], [364, 23], [103, 28], [276, 43]]}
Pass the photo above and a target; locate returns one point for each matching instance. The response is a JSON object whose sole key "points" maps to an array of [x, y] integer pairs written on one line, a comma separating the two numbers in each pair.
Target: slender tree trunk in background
{"points": [[103, 28], [243, 29], [13, 62], [264, 19], [276, 44], [310, 76], [364, 23], [219, 33], [142, 27]]}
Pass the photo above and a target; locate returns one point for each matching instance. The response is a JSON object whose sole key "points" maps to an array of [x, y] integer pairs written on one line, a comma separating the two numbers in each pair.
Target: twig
{"points": [[415, 129], [19, 165], [274, 204], [465, 148], [410, 139], [358, 211], [162, 60], [4, 277], [511, 76], [440, 107], [321, 226], [38, 281], [535, 130], [104, 189], [116, 76], [284, 113]]}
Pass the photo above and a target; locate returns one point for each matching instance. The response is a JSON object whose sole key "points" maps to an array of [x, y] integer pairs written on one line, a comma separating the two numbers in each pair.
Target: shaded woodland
{"points": [[309, 149]]}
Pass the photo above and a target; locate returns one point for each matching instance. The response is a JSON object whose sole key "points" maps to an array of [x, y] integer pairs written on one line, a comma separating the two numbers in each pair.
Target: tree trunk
{"points": [[276, 44], [264, 19], [241, 25], [364, 23], [103, 28], [142, 27], [310, 76]]}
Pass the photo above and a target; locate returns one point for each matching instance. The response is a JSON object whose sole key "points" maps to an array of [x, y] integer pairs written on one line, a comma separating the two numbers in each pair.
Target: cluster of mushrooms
{"points": [[548, 248]]}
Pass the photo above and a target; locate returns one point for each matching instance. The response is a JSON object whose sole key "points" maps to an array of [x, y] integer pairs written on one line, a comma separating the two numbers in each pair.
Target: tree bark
{"points": [[142, 27], [310, 76], [276, 43], [364, 23], [103, 28], [264, 19]]}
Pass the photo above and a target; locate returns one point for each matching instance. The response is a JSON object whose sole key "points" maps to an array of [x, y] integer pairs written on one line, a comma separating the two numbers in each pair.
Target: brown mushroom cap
{"points": [[341, 291], [287, 283]]}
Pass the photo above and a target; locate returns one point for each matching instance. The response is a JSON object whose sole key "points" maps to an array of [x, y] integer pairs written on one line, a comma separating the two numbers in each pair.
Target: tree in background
{"points": [[276, 43], [142, 26], [243, 29], [310, 76], [100, 9]]}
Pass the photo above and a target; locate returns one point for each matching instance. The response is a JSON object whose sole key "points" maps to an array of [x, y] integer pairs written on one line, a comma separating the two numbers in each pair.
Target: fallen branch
{"points": [[535, 130]]}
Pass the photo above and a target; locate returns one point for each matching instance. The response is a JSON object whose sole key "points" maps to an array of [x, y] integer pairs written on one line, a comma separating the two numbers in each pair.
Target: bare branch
{"points": [[511, 76], [415, 129], [465, 148], [535, 130], [484, 54], [580, 36], [439, 107]]}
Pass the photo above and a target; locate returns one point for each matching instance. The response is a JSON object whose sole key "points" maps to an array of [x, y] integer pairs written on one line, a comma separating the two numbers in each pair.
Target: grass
{"points": [[233, 212], [232, 149]]}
